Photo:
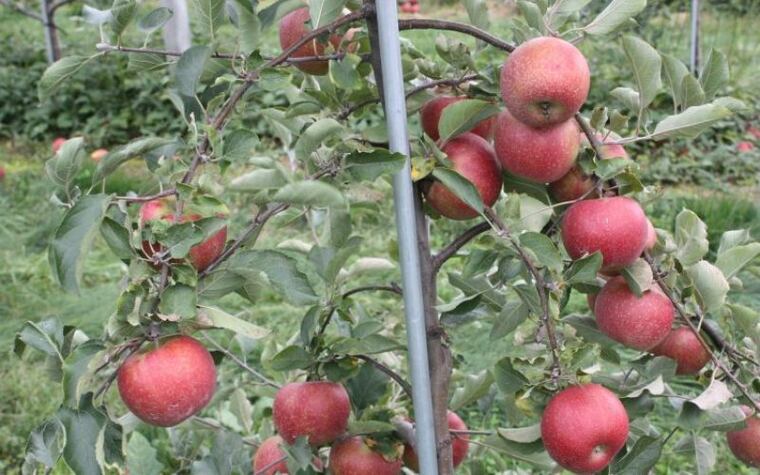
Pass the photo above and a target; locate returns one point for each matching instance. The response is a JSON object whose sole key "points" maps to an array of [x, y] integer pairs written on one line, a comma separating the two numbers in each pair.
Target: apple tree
{"points": [[526, 195]]}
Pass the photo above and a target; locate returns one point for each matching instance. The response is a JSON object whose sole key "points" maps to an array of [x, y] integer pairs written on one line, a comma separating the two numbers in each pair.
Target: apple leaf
{"points": [[523, 435], [154, 20], [691, 238], [477, 11], [136, 148], [117, 238], [239, 144], [628, 97], [142, 457], [691, 91], [248, 24], [58, 73], [534, 213], [274, 12], [507, 378], [290, 358], [462, 116], [65, 165], [220, 319], [122, 13], [323, 12], [281, 270], [587, 329], [562, 10], [257, 180], [531, 14], [641, 458], [532, 453], [616, 13], [733, 238], [460, 186], [733, 260], [583, 271], [189, 69], [73, 239], [715, 394], [675, 72], [646, 64], [75, 367], [45, 336], [315, 135], [720, 419], [544, 250], [714, 74], [710, 283], [638, 276], [701, 448], [691, 122], [85, 427], [310, 193], [510, 317], [471, 388], [210, 15], [371, 165], [45, 445]]}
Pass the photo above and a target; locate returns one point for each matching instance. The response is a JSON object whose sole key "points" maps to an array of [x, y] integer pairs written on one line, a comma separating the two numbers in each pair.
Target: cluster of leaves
{"points": [[520, 285]]}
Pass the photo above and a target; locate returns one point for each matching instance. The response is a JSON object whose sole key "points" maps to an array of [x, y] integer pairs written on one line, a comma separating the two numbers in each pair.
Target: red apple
{"points": [[431, 112], [318, 410], [616, 227], [473, 158], [745, 146], [540, 155], [460, 443], [352, 456], [745, 443], [636, 322], [575, 183], [167, 384], [2, 173], [98, 154], [583, 427], [651, 237], [293, 27], [684, 347], [545, 81], [415, 8], [58, 143], [201, 255], [267, 454], [754, 131]]}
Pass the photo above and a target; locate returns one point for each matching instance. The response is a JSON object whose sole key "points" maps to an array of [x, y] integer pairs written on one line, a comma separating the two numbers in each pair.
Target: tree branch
{"points": [[22, 10], [447, 252], [240, 362], [589, 133], [428, 24], [387, 288], [56, 5], [503, 231], [266, 468], [685, 317], [389, 372], [144, 199]]}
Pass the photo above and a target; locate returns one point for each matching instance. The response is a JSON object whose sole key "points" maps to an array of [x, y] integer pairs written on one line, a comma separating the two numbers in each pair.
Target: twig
{"points": [[590, 135], [503, 231], [240, 362], [683, 315], [447, 252], [428, 24], [143, 199], [107, 383], [22, 10], [56, 5], [387, 288], [267, 467], [389, 372]]}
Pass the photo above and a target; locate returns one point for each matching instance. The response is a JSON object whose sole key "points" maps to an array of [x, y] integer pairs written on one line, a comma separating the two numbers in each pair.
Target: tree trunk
{"points": [[52, 45], [177, 35]]}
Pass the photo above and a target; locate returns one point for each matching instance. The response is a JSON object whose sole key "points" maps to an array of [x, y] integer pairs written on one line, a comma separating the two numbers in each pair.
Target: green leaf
{"points": [[710, 283], [544, 250], [748, 321], [178, 303], [281, 270], [616, 13], [220, 319], [210, 16], [371, 165], [142, 458], [460, 186], [646, 64], [85, 428], [315, 135], [561, 10], [507, 378], [534, 213], [523, 435], [641, 458], [733, 238], [715, 74], [122, 13], [369, 345], [57, 74], [462, 116], [292, 357], [64, 167], [274, 12], [675, 72], [117, 238], [510, 317], [310, 193], [190, 67], [323, 12], [74, 369], [587, 329], [691, 92], [638, 276], [257, 180], [45, 336], [691, 122], [691, 238], [532, 14], [133, 149], [477, 12], [344, 74], [584, 270], [716, 394], [73, 239], [532, 453], [239, 144], [471, 388], [154, 20], [733, 260], [249, 25], [143, 63], [628, 97], [45, 445]]}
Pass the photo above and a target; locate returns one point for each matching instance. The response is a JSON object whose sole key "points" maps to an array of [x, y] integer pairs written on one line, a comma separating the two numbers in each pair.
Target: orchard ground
{"points": [[725, 199]]}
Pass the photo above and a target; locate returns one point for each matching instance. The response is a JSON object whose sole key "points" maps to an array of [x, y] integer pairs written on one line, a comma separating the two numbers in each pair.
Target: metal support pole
{"points": [[694, 39], [403, 194], [51, 42]]}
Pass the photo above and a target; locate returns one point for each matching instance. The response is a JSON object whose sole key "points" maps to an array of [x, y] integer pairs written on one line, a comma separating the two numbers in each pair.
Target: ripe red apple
{"points": [[459, 445], [575, 183], [431, 112], [2, 173], [745, 443], [636, 322], [318, 410], [201, 255], [57, 143], [98, 154], [651, 236], [540, 155], [616, 227], [267, 454], [415, 8], [754, 131], [473, 158], [167, 384], [684, 347], [583, 427], [352, 456], [545, 81], [292, 28], [745, 146]]}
